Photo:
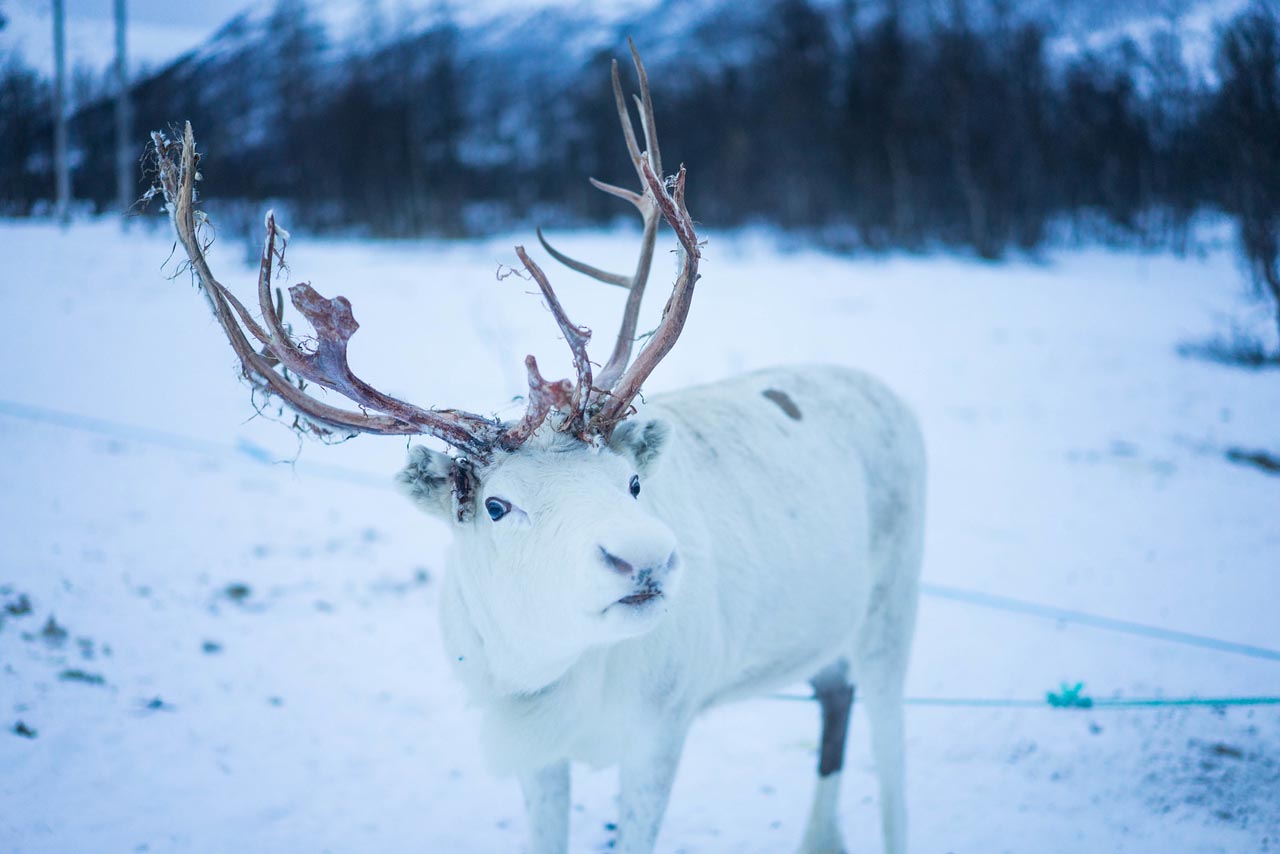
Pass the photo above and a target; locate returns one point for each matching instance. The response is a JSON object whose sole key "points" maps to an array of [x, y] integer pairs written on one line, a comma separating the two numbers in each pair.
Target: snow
{"points": [[1076, 461]]}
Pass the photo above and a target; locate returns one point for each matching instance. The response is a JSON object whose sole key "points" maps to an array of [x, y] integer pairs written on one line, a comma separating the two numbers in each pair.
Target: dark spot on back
{"points": [[785, 403]]}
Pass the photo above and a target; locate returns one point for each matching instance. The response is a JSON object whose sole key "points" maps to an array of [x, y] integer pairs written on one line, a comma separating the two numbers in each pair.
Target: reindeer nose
{"points": [[623, 567], [616, 563]]}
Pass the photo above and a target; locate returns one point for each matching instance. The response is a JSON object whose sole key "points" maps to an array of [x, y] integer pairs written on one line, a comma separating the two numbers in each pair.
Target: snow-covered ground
{"points": [[266, 634]]}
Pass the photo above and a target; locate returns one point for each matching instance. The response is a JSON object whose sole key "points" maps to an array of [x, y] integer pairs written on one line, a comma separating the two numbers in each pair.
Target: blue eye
{"points": [[635, 486], [497, 508]]}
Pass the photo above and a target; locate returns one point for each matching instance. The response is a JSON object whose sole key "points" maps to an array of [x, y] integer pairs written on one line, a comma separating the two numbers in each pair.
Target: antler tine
{"points": [[577, 338], [644, 104], [272, 311], [334, 324], [624, 115], [543, 397], [618, 406], [580, 267], [636, 199], [621, 354]]}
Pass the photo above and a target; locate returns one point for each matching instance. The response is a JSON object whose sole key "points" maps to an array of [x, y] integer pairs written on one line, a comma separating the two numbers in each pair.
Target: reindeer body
{"points": [[615, 572], [796, 501]]}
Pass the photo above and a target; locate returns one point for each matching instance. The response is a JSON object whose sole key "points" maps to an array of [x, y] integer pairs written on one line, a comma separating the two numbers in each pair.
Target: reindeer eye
{"points": [[635, 486], [497, 508]]}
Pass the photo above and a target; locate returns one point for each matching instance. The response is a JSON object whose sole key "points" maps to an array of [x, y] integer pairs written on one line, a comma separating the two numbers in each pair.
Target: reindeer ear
{"points": [[431, 480], [643, 441]]}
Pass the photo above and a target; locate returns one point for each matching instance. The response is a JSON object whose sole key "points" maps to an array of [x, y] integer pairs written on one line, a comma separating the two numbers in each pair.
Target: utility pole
{"points": [[62, 176], [125, 185]]}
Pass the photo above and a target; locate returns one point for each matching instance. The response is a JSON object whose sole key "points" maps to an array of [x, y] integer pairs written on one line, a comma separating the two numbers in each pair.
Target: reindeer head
{"points": [[552, 532], [562, 551]]}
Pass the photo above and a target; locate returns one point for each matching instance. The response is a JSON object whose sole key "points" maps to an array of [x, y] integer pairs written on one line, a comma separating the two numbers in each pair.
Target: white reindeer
{"points": [[617, 569]]}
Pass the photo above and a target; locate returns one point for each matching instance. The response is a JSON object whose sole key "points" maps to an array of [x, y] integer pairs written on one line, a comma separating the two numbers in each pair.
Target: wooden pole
{"points": [[125, 182], [62, 175]]}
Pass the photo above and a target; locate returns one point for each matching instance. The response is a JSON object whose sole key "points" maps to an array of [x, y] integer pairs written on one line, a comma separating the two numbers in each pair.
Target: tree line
{"points": [[874, 135]]}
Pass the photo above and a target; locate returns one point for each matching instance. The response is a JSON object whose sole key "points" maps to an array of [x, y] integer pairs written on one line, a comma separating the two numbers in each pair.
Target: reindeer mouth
{"points": [[640, 598]]}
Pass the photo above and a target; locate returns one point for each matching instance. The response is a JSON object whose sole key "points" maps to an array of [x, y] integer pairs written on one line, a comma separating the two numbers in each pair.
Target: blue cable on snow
{"points": [[1005, 603]]}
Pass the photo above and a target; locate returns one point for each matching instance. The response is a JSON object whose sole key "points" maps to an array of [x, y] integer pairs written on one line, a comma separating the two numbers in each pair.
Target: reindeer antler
{"points": [[649, 214], [284, 366], [325, 365], [618, 384], [617, 405]]}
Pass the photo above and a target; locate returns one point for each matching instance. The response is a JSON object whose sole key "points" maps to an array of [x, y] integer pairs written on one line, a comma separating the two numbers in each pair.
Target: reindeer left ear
{"points": [[439, 484], [642, 441]]}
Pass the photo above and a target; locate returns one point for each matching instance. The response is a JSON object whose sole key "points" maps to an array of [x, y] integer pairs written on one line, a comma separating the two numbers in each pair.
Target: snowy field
{"points": [[265, 634]]}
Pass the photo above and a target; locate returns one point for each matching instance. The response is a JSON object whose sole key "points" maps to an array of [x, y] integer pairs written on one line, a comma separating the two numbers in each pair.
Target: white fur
{"points": [[798, 543]]}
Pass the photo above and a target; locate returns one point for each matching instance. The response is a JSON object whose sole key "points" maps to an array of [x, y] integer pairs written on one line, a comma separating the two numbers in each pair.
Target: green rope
{"points": [[1187, 701], [1069, 697]]}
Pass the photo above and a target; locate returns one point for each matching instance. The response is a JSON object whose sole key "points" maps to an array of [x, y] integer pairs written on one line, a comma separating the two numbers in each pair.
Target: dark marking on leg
{"points": [[784, 402], [834, 694]]}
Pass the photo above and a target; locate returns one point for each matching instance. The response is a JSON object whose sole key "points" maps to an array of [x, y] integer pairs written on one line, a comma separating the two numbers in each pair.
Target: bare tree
{"points": [[1247, 119]]}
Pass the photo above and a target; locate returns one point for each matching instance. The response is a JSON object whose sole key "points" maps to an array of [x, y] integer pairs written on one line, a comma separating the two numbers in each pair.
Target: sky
{"points": [[159, 29]]}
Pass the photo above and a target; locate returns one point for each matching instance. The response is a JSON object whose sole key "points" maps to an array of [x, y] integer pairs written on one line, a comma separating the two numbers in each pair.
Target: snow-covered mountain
{"points": [[559, 30], [522, 56], [166, 34]]}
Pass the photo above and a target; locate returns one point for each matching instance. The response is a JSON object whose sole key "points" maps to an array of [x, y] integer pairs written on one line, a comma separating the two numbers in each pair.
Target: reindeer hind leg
{"points": [[834, 693]]}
